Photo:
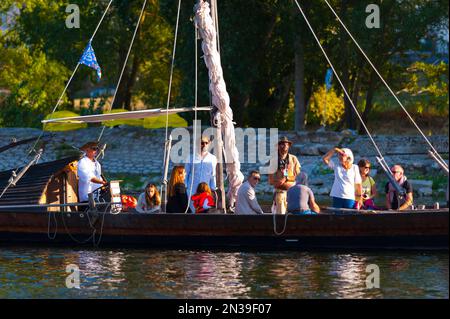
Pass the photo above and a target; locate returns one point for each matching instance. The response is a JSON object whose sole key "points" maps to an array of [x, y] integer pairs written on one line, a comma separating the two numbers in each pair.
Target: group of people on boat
{"points": [[192, 187]]}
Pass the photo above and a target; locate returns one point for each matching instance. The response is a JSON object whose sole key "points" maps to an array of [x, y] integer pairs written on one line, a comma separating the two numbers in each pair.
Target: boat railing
{"points": [[2, 207], [382, 211]]}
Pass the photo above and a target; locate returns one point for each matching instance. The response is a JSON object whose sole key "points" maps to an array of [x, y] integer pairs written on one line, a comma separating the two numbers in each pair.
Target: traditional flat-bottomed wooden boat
{"points": [[42, 209], [426, 229], [43, 206]]}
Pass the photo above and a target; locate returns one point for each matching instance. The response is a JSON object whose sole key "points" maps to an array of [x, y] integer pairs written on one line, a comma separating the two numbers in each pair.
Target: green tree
{"points": [[41, 27], [431, 82], [35, 83], [403, 25]]}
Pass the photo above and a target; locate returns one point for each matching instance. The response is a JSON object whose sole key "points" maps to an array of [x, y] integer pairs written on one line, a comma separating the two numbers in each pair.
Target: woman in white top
{"points": [[346, 191], [149, 201]]}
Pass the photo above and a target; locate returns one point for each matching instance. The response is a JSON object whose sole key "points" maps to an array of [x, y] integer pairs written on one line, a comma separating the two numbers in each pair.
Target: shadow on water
{"points": [[30, 272]]}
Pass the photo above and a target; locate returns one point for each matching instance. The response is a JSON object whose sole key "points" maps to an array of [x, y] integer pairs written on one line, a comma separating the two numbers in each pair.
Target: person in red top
{"points": [[203, 199]]}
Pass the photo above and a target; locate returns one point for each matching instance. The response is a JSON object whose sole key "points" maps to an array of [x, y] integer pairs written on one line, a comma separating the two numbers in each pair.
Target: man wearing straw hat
{"points": [[89, 171], [284, 177]]}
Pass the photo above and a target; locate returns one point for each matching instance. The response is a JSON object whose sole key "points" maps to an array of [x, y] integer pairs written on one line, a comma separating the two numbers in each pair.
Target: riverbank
{"points": [[135, 155]]}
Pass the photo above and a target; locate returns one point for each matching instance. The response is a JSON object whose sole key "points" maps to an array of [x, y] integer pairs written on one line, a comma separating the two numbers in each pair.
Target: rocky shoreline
{"points": [[137, 153]]}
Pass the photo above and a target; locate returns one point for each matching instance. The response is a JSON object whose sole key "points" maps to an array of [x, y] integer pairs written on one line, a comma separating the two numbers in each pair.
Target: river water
{"points": [[30, 272]]}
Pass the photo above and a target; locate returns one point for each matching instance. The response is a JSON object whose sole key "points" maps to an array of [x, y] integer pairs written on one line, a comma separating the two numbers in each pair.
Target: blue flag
{"points": [[88, 58], [328, 78]]}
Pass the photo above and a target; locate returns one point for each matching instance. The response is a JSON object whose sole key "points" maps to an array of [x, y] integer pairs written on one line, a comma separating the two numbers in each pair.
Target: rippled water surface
{"points": [[30, 272]]}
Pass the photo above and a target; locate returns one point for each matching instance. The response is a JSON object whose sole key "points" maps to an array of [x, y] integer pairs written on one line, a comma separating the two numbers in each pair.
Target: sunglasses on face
{"points": [[204, 143], [396, 172], [256, 178]]}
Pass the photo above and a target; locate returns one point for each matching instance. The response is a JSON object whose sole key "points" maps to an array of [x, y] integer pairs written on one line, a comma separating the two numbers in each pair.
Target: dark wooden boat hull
{"points": [[383, 230]]}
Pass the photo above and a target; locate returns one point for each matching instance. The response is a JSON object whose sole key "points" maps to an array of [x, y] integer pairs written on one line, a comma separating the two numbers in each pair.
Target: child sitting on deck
{"points": [[149, 201], [203, 199]]}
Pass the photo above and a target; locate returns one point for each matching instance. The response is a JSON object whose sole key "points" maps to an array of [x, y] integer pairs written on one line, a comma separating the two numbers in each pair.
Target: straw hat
{"points": [[89, 145], [284, 139]]}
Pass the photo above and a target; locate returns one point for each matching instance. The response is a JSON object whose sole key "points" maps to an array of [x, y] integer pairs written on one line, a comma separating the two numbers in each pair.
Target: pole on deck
{"points": [[221, 203], [168, 148]]}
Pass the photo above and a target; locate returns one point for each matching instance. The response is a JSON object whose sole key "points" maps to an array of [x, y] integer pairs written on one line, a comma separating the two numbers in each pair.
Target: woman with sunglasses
{"points": [[149, 201], [369, 189]]}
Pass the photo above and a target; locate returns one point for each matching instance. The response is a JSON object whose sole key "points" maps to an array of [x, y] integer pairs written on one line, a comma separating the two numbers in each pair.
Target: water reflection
{"points": [[215, 275], [40, 273]]}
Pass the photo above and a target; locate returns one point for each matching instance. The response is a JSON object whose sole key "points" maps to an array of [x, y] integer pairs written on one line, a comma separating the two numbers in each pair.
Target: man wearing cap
{"points": [[89, 171], [284, 177], [201, 170]]}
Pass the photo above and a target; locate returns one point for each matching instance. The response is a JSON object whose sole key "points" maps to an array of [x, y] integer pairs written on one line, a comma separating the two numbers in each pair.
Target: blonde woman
{"points": [[347, 190], [149, 201], [177, 201]]}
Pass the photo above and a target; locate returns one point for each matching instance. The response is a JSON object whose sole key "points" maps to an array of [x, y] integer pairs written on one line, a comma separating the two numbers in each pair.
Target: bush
{"points": [[325, 107], [63, 126]]}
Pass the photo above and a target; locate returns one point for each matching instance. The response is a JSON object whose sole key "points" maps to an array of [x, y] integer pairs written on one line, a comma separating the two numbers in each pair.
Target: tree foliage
{"points": [[41, 27], [261, 43], [35, 83], [326, 107], [431, 81]]}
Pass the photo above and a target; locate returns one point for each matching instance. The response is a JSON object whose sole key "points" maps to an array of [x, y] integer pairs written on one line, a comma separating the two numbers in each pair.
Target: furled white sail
{"points": [[220, 97]]}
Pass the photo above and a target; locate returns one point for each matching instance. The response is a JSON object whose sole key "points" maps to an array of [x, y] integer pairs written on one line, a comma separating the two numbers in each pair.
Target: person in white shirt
{"points": [[246, 202], [201, 170], [347, 186], [89, 172]]}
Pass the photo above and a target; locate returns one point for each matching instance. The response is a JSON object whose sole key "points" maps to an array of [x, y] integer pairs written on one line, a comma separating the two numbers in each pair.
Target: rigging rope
{"points": [[194, 127], [172, 68], [15, 177], [168, 96], [124, 64], [384, 82], [340, 82], [215, 15]]}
